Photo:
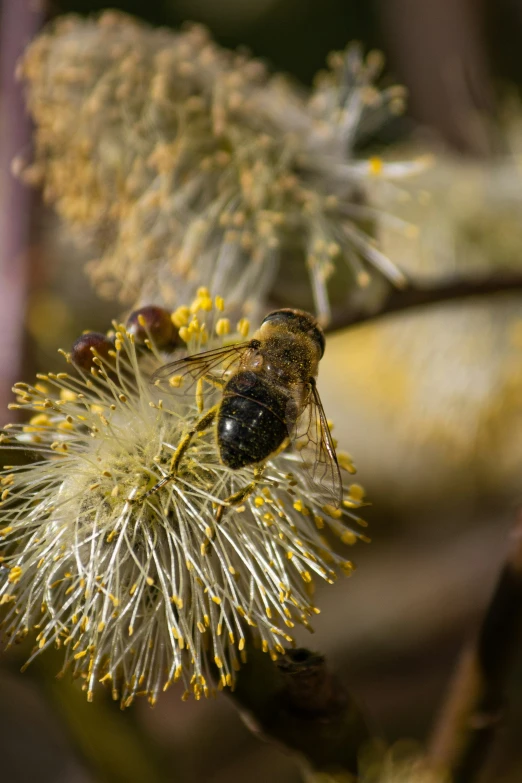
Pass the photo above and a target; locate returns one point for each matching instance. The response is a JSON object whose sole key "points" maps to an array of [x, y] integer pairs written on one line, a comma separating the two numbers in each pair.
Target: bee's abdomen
{"points": [[251, 421]]}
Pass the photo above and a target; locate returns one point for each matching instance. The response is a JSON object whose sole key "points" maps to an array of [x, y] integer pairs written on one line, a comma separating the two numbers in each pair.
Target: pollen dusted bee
{"points": [[269, 398]]}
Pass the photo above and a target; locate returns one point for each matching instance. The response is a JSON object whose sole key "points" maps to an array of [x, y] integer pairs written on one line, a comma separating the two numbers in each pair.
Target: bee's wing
{"points": [[190, 369], [314, 442]]}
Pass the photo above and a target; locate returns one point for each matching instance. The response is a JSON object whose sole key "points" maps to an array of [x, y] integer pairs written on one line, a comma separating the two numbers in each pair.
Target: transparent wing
{"points": [[313, 441], [184, 373]]}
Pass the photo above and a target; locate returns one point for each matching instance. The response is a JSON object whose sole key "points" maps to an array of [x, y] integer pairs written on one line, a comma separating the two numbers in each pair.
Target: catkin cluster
{"points": [[141, 590]]}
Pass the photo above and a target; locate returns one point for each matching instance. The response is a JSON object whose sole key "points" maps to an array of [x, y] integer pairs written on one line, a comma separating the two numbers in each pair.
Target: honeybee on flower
{"points": [[186, 164], [143, 589]]}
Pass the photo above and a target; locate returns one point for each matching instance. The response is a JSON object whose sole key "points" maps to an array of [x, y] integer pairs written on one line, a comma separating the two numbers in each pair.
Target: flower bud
{"points": [[82, 355], [154, 323]]}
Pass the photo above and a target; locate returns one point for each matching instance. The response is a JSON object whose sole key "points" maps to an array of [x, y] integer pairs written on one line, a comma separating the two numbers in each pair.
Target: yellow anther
{"points": [[348, 537], [223, 327], [356, 492], [14, 575], [333, 512], [40, 420], [243, 327], [180, 317], [201, 303], [376, 165], [175, 381], [219, 303]]}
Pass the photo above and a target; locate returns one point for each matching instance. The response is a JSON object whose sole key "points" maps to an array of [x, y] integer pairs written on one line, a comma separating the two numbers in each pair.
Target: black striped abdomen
{"points": [[251, 420]]}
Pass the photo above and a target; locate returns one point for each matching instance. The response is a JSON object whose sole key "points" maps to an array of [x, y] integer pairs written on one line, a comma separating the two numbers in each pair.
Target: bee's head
{"points": [[298, 321]]}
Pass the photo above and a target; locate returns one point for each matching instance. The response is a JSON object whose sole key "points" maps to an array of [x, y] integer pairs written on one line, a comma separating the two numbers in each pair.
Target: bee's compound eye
{"points": [[298, 321], [318, 336], [279, 317]]}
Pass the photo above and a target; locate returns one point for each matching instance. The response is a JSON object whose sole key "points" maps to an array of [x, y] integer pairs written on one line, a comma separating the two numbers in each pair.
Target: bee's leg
{"points": [[201, 425], [241, 495]]}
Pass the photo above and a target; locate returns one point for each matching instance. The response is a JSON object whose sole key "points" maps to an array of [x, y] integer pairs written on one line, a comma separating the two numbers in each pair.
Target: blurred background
{"points": [[428, 402]]}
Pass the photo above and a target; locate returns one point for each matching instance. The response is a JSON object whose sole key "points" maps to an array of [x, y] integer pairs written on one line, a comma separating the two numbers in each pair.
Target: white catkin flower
{"points": [[140, 592], [188, 164]]}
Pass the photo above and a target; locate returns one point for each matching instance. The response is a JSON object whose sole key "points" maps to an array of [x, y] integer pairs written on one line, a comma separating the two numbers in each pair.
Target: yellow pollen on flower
{"points": [[376, 165], [219, 303]]}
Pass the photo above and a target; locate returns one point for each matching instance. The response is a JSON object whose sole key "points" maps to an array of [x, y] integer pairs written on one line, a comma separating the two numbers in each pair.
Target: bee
{"points": [[269, 398]]}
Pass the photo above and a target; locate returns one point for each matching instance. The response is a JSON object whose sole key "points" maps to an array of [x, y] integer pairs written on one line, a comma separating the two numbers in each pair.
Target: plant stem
{"points": [[301, 704], [417, 296], [474, 709]]}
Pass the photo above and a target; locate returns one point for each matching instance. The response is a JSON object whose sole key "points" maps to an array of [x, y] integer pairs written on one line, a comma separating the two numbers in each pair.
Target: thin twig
{"points": [[20, 20], [417, 296], [301, 704], [475, 707]]}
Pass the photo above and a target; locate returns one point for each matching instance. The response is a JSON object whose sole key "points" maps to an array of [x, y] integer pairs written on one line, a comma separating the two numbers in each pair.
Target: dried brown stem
{"points": [[301, 704], [475, 706], [418, 296]]}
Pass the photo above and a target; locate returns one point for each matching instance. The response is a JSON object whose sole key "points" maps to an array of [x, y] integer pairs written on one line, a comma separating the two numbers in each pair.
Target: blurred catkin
{"points": [[184, 164]]}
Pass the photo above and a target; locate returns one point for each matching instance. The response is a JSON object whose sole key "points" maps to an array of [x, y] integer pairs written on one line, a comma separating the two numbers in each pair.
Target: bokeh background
{"points": [[428, 402]]}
